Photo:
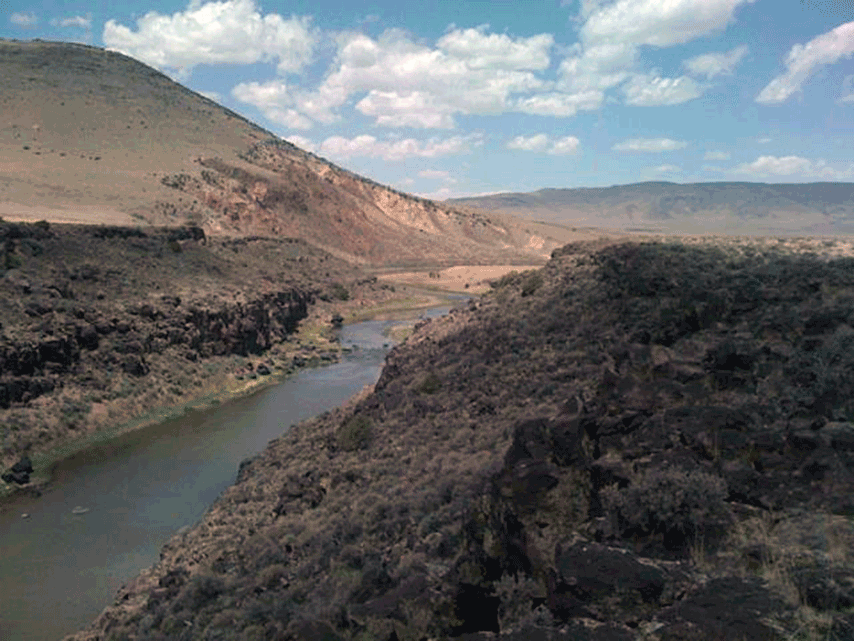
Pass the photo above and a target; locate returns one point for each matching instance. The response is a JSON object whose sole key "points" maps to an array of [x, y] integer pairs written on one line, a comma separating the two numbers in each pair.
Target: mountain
{"points": [[93, 136], [725, 207]]}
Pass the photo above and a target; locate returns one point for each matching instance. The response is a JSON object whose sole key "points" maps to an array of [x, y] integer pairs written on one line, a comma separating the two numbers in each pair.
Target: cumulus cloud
{"points": [[804, 60], [436, 174], [537, 142], [560, 104], [649, 145], [795, 166], [613, 31], [481, 50], [650, 91], [76, 21], [711, 65], [414, 109], [228, 31], [661, 24], [544, 144], [28, 19], [370, 146], [275, 100], [302, 142], [667, 169], [716, 155], [411, 84]]}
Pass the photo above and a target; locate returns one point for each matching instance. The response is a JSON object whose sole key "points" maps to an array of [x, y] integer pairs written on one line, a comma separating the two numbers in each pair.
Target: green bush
{"points": [[531, 282], [672, 503], [430, 384], [338, 292], [354, 434]]}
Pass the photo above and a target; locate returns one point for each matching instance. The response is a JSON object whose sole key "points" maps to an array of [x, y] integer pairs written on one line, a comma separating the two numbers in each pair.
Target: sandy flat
{"points": [[82, 215], [472, 279]]}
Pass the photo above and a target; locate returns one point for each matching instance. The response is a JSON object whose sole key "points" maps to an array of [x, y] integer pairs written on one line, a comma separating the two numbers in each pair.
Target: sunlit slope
{"points": [[93, 136]]}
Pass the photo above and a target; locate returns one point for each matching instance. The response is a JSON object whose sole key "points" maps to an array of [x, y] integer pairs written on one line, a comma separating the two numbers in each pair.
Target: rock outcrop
{"points": [[102, 324], [644, 441]]}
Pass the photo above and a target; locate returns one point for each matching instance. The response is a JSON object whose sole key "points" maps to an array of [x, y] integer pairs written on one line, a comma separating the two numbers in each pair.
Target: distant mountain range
{"points": [[93, 136], [725, 207]]}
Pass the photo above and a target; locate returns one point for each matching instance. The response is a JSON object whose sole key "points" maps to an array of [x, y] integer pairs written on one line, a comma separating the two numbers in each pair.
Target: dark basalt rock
{"points": [[592, 570], [727, 608], [20, 472]]}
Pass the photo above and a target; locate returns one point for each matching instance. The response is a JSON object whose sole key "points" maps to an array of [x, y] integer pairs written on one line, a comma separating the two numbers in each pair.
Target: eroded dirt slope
{"points": [[640, 441], [93, 136]]}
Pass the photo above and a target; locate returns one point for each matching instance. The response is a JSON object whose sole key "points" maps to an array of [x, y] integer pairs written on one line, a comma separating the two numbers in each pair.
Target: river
{"points": [[107, 512]]}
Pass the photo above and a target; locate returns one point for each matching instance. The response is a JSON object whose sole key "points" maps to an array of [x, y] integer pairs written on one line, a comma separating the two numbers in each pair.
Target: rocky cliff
{"points": [[99, 325], [640, 441]]}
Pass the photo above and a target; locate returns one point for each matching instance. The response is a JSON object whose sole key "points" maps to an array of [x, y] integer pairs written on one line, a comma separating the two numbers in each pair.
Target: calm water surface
{"points": [[109, 511]]}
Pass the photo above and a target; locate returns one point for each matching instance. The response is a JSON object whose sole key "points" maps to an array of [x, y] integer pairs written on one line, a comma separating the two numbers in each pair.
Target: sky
{"points": [[448, 99]]}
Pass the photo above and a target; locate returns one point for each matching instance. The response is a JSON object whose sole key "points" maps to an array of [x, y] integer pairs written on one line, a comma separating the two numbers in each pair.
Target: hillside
{"points": [[637, 442], [725, 207], [92, 136]]}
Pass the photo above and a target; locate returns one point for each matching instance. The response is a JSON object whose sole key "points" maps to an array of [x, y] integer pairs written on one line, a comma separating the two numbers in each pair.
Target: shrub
{"points": [[354, 434], [430, 384], [174, 246], [675, 504], [339, 292], [531, 282]]}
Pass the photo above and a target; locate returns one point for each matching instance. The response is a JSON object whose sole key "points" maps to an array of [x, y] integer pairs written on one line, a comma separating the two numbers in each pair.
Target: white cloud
{"points": [[848, 98], [543, 143], [565, 145], [28, 19], [274, 100], [716, 155], [612, 32], [649, 91], [804, 60], [667, 169], [212, 95], [764, 141], [435, 174], [795, 166], [657, 23], [716, 64], [76, 21], [497, 51], [408, 83], [229, 31], [560, 104], [302, 142], [415, 109], [712, 168], [537, 142], [650, 145], [369, 146]]}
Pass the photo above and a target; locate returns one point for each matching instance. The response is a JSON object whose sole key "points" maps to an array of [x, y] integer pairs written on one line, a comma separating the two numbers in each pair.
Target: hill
{"points": [[641, 441], [93, 136], [664, 207]]}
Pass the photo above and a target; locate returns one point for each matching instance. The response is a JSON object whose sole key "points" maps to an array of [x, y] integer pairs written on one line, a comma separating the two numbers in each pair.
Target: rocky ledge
{"points": [[101, 325], [640, 441]]}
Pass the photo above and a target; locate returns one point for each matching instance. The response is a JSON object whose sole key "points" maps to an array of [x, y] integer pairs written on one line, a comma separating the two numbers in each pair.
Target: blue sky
{"points": [[446, 99]]}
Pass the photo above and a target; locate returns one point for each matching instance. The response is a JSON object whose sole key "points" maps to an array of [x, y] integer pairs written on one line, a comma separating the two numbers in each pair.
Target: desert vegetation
{"points": [[646, 441]]}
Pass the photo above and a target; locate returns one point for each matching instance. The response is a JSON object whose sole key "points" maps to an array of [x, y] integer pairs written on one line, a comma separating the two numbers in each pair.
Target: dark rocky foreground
{"points": [[99, 325], [637, 442]]}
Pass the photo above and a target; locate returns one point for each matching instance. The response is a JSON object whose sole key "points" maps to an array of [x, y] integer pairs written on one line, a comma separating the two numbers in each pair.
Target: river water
{"points": [[108, 511]]}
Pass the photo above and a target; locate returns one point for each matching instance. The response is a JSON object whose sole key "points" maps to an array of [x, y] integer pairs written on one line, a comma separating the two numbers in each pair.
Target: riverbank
{"points": [[109, 329], [227, 378]]}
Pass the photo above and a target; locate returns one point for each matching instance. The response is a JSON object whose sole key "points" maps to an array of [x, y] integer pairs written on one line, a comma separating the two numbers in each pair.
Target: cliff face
{"points": [[637, 442], [99, 325]]}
